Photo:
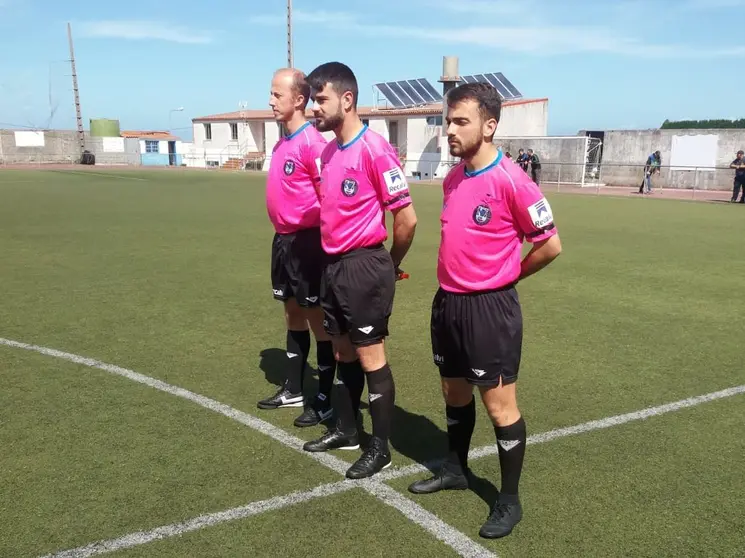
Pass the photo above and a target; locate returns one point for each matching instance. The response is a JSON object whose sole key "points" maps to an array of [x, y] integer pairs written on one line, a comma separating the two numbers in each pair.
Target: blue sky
{"points": [[604, 64]]}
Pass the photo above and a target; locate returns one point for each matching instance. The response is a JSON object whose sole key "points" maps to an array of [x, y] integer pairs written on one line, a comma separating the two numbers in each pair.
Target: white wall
{"points": [[527, 119]]}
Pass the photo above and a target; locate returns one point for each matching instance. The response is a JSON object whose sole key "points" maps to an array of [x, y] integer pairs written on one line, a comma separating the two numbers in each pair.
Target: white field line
{"points": [[104, 174], [463, 544], [600, 424], [207, 520]]}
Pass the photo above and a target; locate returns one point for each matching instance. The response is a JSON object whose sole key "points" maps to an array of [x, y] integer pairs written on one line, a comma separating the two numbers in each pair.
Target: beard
{"points": [[466, 150], [330, 122]]}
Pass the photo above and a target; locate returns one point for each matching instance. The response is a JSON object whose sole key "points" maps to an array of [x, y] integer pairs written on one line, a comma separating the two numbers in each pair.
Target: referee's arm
{"points": [[542, 254]]}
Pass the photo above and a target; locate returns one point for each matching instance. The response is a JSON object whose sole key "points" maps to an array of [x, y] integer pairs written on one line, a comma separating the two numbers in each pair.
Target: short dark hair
{"points": [[339, 75], [485, 94]]}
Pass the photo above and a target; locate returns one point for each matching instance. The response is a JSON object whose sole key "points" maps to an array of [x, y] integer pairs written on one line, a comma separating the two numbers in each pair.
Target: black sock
{"points": [[348, 393], [511, 442], [298, 347], [326, 370], [461, 421], [382, 396]]}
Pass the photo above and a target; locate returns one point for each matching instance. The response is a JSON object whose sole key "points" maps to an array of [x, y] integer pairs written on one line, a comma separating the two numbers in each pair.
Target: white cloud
{"points": [[143, 30], [538, 40]]}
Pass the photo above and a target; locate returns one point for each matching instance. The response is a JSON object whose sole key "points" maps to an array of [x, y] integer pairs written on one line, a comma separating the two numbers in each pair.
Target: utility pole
{"points": [[289, 34], [76, 92]]}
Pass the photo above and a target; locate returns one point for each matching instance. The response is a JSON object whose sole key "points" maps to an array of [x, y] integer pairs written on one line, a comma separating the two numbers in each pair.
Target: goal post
{"points": [[569, 160]]}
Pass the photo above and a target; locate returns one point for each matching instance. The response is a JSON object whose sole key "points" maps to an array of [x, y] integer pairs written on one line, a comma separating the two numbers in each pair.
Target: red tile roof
{"points": [[149, 135], [364, 112]]}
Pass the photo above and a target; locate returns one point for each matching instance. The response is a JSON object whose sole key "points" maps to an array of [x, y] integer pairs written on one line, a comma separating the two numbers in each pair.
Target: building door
{"points": [[172, 153], [393, 133]]}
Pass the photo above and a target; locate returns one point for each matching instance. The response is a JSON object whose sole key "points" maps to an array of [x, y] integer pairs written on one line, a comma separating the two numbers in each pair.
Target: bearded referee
{"points": [[490, 206], [361, 179], [294, 210]]}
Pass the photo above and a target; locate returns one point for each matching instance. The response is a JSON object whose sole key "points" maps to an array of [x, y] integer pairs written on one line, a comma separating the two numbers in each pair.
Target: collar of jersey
{"points": [[296, 132], [486, 168], [352, 141]]}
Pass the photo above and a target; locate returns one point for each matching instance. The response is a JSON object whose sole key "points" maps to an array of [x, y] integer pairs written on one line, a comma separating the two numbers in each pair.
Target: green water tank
{"points": [[105, 128]]}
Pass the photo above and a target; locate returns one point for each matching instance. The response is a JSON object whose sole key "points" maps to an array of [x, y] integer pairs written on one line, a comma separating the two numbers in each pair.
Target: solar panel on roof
{"points": [[423, 93], [503, 91], [508, 84], [390, 96], [500, 83], [436, 95], [409, 93]]}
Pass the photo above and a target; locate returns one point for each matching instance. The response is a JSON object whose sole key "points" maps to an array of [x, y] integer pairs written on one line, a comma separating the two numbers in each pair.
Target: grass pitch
{"points": [[167, 273]]}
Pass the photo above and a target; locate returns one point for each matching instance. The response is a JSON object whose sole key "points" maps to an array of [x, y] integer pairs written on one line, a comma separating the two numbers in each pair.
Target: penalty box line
{"points": [[375, 487], [458, 541]]}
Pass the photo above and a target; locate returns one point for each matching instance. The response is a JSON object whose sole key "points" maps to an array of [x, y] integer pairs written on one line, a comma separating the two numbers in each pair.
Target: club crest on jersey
{"points": [[482, 215], [289, 167], [349, 187]]}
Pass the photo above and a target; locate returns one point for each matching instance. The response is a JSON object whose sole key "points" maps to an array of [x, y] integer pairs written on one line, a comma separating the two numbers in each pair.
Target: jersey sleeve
{"points": [[312, 161], [532, 212], [389, 181]]}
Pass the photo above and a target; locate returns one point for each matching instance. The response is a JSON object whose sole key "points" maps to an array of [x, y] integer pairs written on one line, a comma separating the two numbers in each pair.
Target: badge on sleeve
{"points": [[395, 181], [289, 167], [540, 213]]}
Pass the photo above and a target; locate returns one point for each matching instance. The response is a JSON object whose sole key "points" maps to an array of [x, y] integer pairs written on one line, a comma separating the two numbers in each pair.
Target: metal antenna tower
{"points": [[76, 92]]}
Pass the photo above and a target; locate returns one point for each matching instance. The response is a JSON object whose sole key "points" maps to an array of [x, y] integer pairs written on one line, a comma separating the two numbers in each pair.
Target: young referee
{"points": [[361, 179], [490, 206]]}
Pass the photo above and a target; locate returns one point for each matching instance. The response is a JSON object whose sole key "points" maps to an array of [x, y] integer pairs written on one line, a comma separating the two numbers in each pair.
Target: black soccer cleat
{"points": [[283, 398], [316, 413], [333, 439], [376, 458], [449, 477], [502, 519]]}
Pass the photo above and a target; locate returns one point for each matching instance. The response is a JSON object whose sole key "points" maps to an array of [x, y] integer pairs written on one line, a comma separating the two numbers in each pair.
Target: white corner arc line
{"points": [[463, 544], [599, 424], [207, 520]]}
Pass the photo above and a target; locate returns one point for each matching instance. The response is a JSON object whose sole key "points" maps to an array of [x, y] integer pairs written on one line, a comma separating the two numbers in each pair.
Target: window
{"points": [[434, 120], [234, 131], [152, 146], [208, 131]]}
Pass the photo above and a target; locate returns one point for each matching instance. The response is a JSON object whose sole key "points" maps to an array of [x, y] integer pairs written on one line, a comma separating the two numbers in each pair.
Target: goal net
{"points": [[568, 160]]}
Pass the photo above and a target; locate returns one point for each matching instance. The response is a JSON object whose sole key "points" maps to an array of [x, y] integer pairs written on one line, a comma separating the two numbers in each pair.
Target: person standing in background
{"points": [[739, 165]]}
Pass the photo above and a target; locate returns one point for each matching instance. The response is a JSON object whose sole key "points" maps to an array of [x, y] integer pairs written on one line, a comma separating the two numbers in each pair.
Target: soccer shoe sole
{"points": [[270, 406]]}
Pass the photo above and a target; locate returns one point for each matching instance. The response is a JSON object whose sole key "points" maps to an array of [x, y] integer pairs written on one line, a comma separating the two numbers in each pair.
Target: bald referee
{"points": [[490, 206], [361, 179], [294, 209]]}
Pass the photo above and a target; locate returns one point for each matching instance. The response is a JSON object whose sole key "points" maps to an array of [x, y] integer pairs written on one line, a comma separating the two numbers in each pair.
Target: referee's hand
{"points": [[401, 274]]}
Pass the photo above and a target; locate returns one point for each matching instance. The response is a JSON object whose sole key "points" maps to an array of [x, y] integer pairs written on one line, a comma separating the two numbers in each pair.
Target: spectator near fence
{"points": [[535, 166], [652, 166], [739, 165]]}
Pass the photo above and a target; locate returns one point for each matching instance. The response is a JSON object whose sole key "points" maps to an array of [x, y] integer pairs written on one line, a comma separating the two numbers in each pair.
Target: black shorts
{"points": [[357, 290], [478, 336], [297, 264]]}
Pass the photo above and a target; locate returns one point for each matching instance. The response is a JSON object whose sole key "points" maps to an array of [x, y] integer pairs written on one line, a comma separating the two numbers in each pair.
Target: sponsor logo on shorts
{"points": [[312, 299], [349, 187], [482, 215], [366, 330], [439, 359], [374, 397], [540, 214], [395, 180], [278, 292], [478, 372], [289, 167], [291, 355]]}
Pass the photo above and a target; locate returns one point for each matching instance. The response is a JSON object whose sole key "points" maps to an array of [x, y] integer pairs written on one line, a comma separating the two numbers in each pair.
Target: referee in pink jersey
{"points": [[293, 205], [490, 206], [361, 179]]}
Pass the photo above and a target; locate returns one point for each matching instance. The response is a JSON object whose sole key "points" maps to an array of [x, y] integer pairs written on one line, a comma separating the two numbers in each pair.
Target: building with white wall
{"points": [[234, 139], [157, 148]]}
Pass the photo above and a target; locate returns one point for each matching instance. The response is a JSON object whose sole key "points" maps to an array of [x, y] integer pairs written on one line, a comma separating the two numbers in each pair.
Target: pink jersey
{"points": [[485, 217], [294, 180], [359, 181]]}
